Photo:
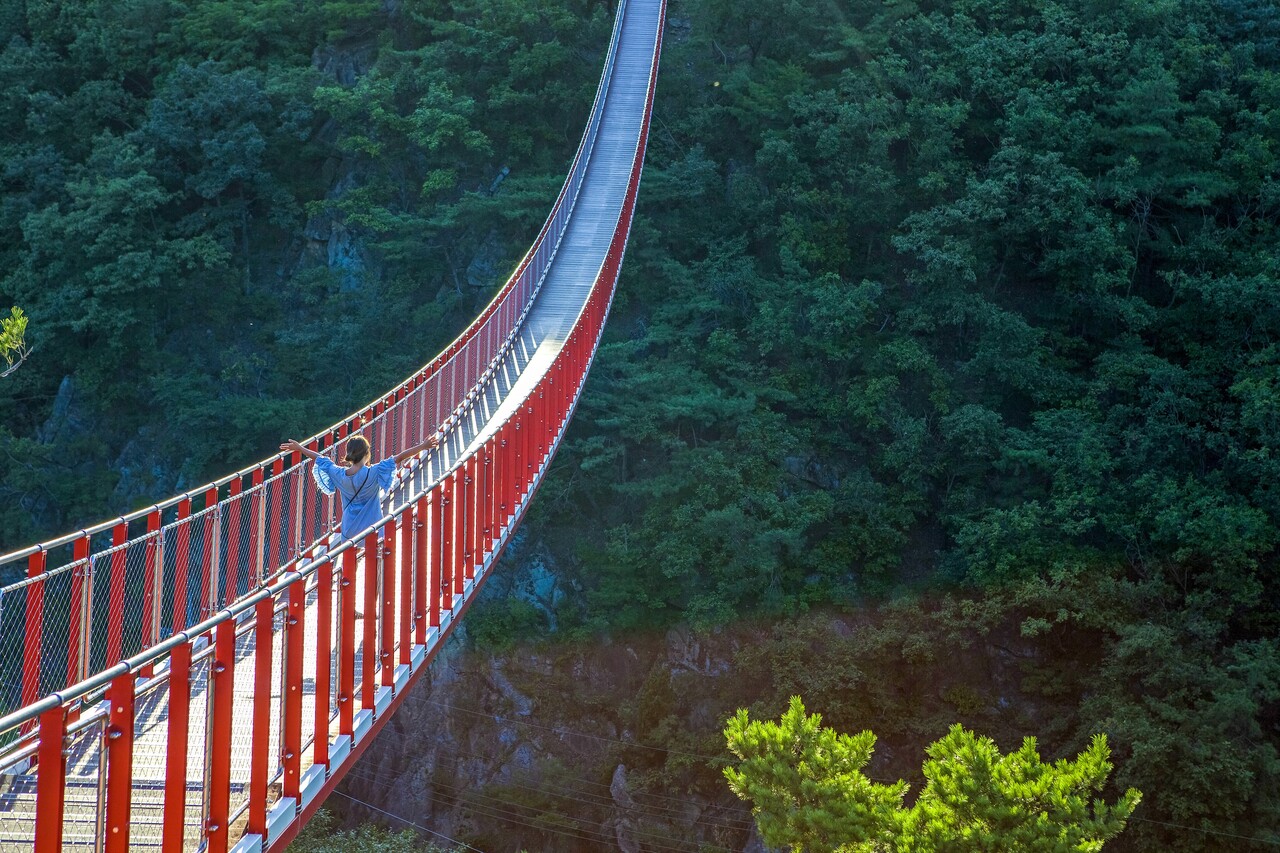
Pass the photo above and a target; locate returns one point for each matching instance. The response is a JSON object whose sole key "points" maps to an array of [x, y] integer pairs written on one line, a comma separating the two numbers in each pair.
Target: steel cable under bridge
{"points": [[200, 675]]}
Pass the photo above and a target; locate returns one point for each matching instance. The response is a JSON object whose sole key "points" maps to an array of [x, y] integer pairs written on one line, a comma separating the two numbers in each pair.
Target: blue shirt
{"points": [[359, 493]]}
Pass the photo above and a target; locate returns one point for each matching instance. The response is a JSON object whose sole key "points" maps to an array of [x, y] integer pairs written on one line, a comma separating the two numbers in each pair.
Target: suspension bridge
{"points": [[200, 675]]}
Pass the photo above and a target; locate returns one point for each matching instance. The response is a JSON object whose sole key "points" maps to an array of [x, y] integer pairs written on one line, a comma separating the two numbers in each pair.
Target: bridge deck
{"points": [[573, 269]]}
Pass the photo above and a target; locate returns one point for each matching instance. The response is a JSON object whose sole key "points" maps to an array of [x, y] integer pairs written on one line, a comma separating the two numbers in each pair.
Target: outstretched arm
{"points": [[431, 442], [293, 445]]}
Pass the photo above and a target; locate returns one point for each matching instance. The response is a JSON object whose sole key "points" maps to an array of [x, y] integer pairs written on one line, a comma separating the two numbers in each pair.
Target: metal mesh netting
{"points": [[239, 519], [82, 815], [13, 622], [197, 804], [310, 643], [184, 592], [121, 585], [150, 735], [317, 508], [358, 592], [280, 499], [175, 571], [57, 628], [381, 438], [274, 528], [374, 611], [447, 384], [275, 766], [242, 723], [335, 642]]}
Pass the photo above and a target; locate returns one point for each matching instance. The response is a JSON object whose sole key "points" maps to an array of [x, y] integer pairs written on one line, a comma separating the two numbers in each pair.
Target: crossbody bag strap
{"points": [[357, 492]]}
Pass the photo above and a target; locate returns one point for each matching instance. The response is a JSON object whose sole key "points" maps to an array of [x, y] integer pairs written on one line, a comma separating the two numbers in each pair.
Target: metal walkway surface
{"points": [[200, 678]]}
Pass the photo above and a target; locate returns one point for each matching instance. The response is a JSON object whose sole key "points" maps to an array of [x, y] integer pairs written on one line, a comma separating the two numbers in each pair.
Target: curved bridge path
{"points": [[201, 674]]}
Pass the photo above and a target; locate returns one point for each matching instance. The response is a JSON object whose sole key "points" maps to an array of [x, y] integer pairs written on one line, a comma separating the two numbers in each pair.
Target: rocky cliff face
{"points": [[616, 743], [541, 748]]}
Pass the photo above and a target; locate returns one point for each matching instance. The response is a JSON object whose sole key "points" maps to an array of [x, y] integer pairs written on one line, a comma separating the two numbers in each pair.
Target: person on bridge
{"points": [[359, 485]]}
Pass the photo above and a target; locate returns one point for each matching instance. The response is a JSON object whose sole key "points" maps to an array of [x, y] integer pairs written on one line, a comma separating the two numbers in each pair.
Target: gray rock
{"points": [[142, 472], [523, 705], [67, 418], [486, 267], [618, 789], [754, 843], [346, 64], [811, 471]]}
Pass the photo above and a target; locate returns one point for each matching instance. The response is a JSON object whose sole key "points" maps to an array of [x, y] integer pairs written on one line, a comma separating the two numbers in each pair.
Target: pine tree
{"points": [[809, 792]]}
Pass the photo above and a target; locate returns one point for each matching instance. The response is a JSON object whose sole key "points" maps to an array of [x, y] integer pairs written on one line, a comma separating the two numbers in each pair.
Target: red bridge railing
{"points": [[86, 600]]}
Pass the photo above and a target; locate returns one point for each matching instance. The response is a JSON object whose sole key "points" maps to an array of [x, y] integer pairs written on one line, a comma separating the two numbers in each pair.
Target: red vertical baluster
{"points": [[264, 616], [295, 518], [529, 430], [549, 388], [182, 564], [309, 492], [291, 737], [499, 500], [51, 774], [151, 598], [555, 406], [208, 584], [233, 559], [421, 406], [115, 597], [332, 500], [78, 642], [175, 760], [425, 593], [445, 515], [34, 627], [119, 762], [347, 645], [369, 659], [388, 422], [276, 508], [387, 611], [475, 504], [566, 381], [391, 421], [505, 450], [538, 428], [404, 415], [221, 714], [517, 459], [324, 658], [463, 496], [407, 554], [254, 568], [562, 397], [399, 440], [545, 391], [457, 525], [487, 492]]}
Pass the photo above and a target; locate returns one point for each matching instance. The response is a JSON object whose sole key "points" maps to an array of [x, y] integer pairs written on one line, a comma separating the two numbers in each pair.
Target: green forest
{"points": [[958, 316]]}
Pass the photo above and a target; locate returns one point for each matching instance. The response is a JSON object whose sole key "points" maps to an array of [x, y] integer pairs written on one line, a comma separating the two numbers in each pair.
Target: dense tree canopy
{"points": [[969, 301]]}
